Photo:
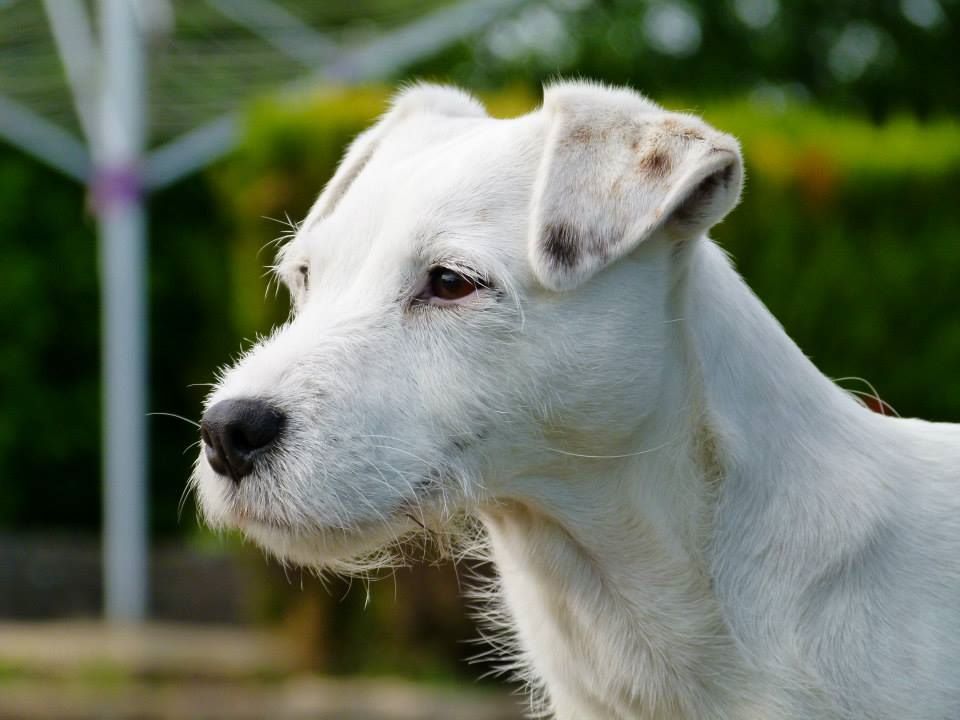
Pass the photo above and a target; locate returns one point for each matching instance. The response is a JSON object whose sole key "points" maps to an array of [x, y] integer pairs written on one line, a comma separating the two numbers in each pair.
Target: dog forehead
{"points": [[432, 177], [441, 164]]}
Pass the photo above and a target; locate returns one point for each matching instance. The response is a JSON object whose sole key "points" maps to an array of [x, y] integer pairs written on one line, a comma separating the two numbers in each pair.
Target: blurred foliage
{"points": [[49, 434], [49, 359], [850, 233], [414, 621], [848, 230], [875, 58]]}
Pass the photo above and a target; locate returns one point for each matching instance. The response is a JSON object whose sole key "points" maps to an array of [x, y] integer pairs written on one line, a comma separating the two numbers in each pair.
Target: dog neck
{"points": [[615, 571], [805, 469]]}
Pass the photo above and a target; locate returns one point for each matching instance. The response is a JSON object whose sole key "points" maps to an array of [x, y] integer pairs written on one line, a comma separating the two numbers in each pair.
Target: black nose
{"points": [[234, 432]]}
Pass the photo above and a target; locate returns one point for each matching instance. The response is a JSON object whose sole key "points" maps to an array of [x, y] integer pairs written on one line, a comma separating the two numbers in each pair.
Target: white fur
{"points": [[687, 518]]}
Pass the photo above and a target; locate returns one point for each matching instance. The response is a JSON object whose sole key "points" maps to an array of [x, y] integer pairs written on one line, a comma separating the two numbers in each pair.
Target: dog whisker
{"points": [[619, 456], [174, 415], [192, 446]]}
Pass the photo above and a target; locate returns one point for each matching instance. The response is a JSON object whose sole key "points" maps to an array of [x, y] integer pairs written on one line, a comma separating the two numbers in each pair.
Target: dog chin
{"points": [[354, 545], [335, 548]]}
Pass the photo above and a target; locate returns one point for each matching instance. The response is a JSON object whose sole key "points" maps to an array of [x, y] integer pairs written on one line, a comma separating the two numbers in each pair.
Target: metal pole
{"points": [[70, 25], [47, 142], [117, 194]]}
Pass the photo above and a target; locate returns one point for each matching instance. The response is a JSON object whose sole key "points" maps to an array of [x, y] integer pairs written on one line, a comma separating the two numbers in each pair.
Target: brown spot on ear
{"points": [[562, 244], [656, 163], [581, 134], [678, 129], [690, 134]]}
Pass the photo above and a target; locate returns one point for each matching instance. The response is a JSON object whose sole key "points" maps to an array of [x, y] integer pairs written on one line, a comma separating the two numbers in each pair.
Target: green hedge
{"points": [[850, 232], [49, 354]]}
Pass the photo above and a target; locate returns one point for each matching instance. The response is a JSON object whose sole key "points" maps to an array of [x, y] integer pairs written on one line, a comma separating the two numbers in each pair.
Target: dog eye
{"points": [[446, 285], [305, 274]]}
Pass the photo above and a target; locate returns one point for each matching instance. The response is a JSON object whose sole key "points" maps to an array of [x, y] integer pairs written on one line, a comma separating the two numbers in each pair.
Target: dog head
{"points": [[468, 295]]}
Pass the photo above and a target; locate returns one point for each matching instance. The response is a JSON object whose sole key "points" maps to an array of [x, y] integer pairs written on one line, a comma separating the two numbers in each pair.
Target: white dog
{"points": [[524, 321]]}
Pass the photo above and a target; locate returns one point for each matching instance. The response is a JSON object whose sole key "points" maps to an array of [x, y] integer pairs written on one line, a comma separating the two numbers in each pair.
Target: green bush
{"points": [[49, 444], [850, 232], [49, 358]]}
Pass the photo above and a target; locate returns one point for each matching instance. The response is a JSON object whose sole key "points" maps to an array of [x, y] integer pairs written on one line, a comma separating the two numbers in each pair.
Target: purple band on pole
{"points": [[115, 187]]}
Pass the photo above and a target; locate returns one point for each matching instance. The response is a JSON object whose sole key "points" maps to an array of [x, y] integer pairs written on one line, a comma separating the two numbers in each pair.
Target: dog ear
{"points": [[414, 99], [616, 170]]}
